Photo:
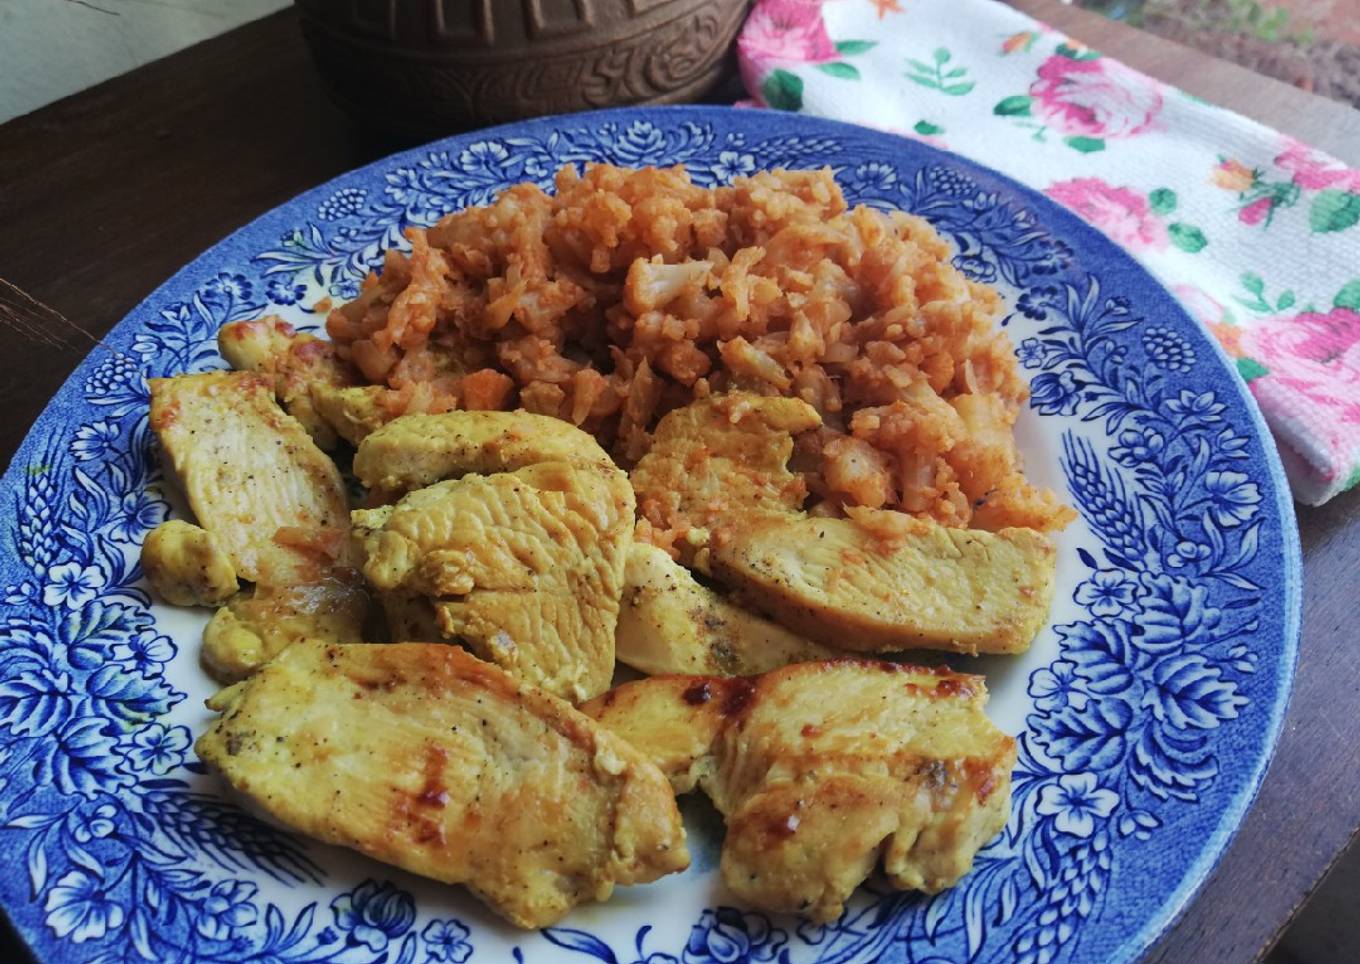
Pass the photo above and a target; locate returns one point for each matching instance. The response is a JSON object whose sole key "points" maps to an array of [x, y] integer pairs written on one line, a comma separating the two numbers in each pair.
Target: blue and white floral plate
{"points": [[1146, 712]]}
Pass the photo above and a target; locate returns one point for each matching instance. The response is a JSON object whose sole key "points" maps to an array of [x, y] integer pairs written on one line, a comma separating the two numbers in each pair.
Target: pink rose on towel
{"points": [[1123, 215], [1315, 171], [1096, 97], [1317, 356], [786, 30]]}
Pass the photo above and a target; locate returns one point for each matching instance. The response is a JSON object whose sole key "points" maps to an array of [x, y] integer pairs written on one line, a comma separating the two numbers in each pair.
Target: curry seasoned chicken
{"points": [[825, 770], [184, 563], [525, 568], [272, 501], [297, 364], [418, 450], [719, 460], [670, 623], [255, 625], [422, 756], [882, 581]]}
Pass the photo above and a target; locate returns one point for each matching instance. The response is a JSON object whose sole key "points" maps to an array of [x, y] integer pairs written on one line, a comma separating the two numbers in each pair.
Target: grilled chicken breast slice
{"points": [[257, 624], [272, 500], [825, 770], [422, 756], [721, 459], [670, 623], [881, 581], [525, 568], [416, 450], [296, 363], [184, 563]]}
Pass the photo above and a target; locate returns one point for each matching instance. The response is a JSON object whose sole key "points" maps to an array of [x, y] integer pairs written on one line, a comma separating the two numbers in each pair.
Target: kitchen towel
{"points": [[1256, 233]]}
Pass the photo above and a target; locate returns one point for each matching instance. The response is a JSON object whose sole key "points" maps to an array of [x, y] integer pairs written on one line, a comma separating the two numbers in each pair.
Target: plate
{"points": [[1146, 712]]}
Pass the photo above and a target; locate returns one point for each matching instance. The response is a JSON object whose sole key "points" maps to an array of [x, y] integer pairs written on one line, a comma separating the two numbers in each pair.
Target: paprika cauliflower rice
{"points": [[629, 293]]}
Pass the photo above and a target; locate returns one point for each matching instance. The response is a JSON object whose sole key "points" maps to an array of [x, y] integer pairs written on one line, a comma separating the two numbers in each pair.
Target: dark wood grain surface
{"points": [[104, 195]]}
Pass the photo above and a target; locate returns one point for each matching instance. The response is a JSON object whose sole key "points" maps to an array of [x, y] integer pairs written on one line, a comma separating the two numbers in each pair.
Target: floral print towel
{"points": [[1257, 234]]}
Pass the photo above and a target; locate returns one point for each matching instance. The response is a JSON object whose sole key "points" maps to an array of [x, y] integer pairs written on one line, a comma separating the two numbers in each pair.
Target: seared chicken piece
{"points": [[185, 565], [257, 624], [669, 623], [525, 567], [425, 757], [822, 770], [352, 411], [297, 363], [416, 450], [721, 459], [882, 581], [272, 500]]}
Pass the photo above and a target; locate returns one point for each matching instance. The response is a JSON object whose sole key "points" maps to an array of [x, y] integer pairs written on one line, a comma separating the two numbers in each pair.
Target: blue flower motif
{"points": [[1107, 593], [873, 177], [950, 183], [1076, 800], [1055, 393], [728, 936], [71, 584], [1228, 444], [145, 652], [344, 203], [1191, 408], [1187, 553], [731, 164], [94, 441], [1056, 686], [405, 187], [446, 940], [94, 826], [1233, 497], [373, 914], [138, 512], [284, 291], [485, 159], [1137, 446], [228, 906], [119, 385], [641, 143], [156, 749], [1035, 302], [1167, 349], [77, 908], [226, 289], [1031, 353]]}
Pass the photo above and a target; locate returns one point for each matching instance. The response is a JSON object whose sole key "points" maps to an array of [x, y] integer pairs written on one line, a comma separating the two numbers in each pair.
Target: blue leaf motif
{"points": [[1093, 738], [581, 942], [130, 696], [1103, 654], [35, 702], [1190, 692], [1176, 613], [1168, 766]]}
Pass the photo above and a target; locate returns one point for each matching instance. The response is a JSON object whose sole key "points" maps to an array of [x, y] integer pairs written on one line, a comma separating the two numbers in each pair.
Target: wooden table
{"points": [[106, 194]]}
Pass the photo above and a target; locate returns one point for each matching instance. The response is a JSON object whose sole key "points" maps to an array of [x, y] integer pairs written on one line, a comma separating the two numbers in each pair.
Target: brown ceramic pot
{"points": [[434, 66]]}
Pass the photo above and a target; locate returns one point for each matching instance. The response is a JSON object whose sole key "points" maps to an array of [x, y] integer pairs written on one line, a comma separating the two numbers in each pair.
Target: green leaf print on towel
{"points": [[934, 76]]}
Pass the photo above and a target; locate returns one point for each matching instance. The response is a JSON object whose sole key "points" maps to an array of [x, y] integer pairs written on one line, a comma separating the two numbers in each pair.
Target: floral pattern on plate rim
{"points": [[1161, 706]]}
